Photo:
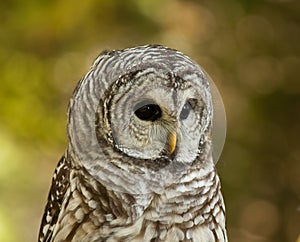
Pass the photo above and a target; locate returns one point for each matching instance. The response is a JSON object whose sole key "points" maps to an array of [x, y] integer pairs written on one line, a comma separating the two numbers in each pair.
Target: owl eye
{"points": [[187, 107], [149, 112]]}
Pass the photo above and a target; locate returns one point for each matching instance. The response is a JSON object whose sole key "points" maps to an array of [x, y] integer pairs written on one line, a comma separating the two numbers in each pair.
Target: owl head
{"points": [[142, 115]]}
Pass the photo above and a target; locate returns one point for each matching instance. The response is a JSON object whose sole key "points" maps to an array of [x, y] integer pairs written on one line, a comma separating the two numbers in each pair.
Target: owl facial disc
{"points": [[148, 114]]}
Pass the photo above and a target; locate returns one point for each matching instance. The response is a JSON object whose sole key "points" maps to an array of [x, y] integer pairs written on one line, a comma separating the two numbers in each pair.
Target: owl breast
{"points": [[191, 210]]}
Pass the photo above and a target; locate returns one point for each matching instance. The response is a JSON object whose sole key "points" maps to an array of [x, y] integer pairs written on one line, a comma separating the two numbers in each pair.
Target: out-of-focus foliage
{"points": [[251, 49]]}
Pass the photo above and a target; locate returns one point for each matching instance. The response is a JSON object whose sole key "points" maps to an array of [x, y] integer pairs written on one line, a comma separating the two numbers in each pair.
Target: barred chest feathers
{"points": [[192, 210]]}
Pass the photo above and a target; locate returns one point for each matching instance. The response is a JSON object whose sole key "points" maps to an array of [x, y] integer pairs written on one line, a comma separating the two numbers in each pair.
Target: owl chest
{"points": [[167, 221], [172, 216], [171, 229], [161, 221], [181, 214]]}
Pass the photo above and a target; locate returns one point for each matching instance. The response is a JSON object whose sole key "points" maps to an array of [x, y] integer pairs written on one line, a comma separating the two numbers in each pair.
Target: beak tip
{"points": [[172, 142]]}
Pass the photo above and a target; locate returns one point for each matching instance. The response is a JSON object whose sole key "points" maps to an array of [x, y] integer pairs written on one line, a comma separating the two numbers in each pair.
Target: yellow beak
{"points": [[172, 142]]}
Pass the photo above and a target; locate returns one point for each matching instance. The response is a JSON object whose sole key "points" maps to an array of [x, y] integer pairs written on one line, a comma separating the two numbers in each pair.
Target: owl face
{"points": [[144, 113], [156, 115]]}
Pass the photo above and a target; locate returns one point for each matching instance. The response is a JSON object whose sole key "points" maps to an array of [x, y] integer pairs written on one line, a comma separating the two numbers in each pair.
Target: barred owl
{"points": [[139, 163]]}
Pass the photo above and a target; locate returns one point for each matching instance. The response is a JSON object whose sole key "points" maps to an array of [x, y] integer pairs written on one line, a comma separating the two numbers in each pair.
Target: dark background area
{"points": [[250, 48]]}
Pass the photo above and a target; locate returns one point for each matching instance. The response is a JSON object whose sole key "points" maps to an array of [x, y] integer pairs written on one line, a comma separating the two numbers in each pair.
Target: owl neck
{"points": [[196, 193], [193, 203]]}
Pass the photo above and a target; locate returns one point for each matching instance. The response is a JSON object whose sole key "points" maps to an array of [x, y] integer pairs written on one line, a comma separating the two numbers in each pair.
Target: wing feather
{"points": [[60, 183]]}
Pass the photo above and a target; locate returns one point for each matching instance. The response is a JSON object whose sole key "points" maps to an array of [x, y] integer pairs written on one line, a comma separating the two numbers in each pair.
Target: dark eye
{"points": [[149, 112], [187, 107]]}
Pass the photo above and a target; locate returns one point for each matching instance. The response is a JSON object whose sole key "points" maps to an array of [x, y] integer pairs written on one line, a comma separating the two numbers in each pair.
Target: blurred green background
{"points": [[250, 48]]}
